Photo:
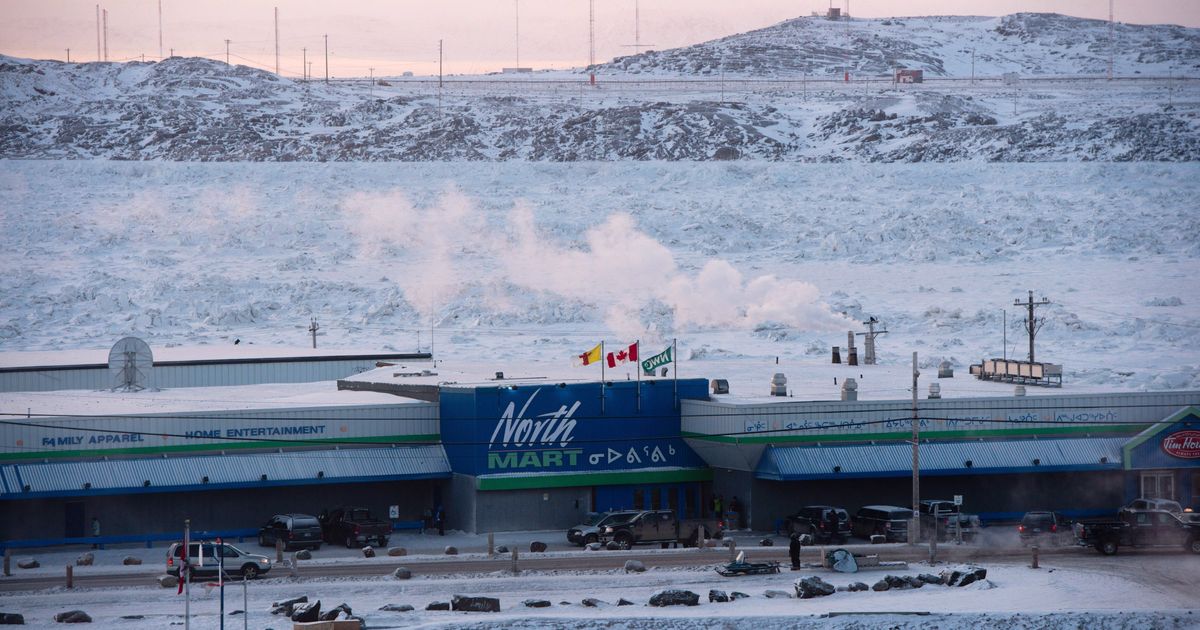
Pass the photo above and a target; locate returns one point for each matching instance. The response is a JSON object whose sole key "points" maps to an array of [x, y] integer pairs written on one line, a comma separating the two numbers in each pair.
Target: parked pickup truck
{"points": [[1143, 523], [589, 532], [660, 526], [353, 526]]}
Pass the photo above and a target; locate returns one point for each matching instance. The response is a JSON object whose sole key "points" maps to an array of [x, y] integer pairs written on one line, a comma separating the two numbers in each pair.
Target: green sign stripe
{"points": [[865, 437], [594, 479], [432, 438]]}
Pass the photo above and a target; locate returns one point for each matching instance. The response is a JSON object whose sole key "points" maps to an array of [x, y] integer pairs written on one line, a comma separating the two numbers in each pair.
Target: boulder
{"points": [[777, 594], [855, 587], [467, 603], [341, 611], [397, 551], [881, 585], [895, 581], [878, 539], [711, 542], [286, 606], [438, 606], [167, 580], [592, 602], [634, 566], [612, 545], [950, 577], [502, 549], [719, 596], [914, 581], [736, 595], [766, 542], [85, 559], [307, 611], [397, 608], [402, 573], [368, 551], [130, 560], [675, 597], [593, 546], [231, 613], [451, 550], [28, 563], [929, 578], [536, 603], [11, 619], [305, 554], [537, 547], [624, 602], [972, 576], [810, 587], [73, 616]]}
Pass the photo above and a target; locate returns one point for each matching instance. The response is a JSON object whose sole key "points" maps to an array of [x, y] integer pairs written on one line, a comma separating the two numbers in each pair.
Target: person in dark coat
{"points": [[439, 515], [794, 549]]}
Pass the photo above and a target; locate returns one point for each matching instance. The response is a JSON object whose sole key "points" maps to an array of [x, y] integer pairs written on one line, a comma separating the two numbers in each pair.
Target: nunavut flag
{"points": [[589, 357], [623, 355]]}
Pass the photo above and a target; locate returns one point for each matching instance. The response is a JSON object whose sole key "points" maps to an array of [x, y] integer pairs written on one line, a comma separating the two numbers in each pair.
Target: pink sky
{"points": [[399, 35]]}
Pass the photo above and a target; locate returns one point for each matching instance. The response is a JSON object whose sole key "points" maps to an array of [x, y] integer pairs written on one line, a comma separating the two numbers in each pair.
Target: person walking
{"points": [[95, 531], [717, 505], [735, 506], [439, 515]]}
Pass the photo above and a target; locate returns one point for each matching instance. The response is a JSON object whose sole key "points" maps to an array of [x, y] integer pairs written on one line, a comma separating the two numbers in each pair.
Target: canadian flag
{"points": [[623, 355]]}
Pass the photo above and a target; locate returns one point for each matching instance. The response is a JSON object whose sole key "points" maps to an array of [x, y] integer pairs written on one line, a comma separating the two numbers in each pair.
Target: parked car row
{"points": [[633, 527], [828, 524]]}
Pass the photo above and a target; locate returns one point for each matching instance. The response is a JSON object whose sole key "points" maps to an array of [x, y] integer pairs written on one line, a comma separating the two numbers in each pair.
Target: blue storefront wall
{"points": [[1171, 445], [550, 430]]}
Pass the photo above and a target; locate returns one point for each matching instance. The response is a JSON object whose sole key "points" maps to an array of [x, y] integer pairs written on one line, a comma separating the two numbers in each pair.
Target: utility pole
{"points": [[869, 340], [637, 45], [227, 52], [326, 59], [304, 64], [972, 66], [914, 529], [276, 41], [1032, 324], [313, 327], [371, 89], [1110, 40], [68, 55], [98, 57], [105, 11], [172, 52], [592, 42], [439, 77], [517, 28], [160, 30]]}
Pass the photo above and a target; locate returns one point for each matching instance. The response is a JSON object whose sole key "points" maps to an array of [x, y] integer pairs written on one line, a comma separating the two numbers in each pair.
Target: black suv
{"points": [[1045, 527], [825, 523], [889, 521], [295, 530]]}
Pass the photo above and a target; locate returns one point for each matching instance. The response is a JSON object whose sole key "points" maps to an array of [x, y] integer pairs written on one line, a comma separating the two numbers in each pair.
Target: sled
{"points": [[741, 567]]}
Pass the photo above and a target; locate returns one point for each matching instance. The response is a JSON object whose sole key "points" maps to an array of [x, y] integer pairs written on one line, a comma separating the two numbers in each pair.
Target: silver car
{"points": [[204, 562]]}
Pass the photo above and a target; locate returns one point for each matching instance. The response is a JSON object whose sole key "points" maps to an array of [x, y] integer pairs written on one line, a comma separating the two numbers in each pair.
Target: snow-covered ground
{"points": [[518, 267], [1072, 590]]}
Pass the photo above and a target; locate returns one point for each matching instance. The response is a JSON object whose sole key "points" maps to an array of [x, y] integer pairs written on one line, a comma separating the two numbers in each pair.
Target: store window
{"points": [[1158, 485]]}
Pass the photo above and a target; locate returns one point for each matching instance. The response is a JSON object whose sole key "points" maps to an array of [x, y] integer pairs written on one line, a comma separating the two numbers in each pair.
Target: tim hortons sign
{"points": [[1185, 444]]}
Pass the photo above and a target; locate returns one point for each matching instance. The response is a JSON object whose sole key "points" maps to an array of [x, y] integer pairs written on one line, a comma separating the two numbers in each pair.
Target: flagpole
{"points": [[221, 578], [186, 568], [637, 367], [603, 360], [675, 372]]}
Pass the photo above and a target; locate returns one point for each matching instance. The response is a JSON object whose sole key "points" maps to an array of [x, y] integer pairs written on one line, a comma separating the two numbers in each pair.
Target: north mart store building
{"points": [[1084, 455], [535, 454]]}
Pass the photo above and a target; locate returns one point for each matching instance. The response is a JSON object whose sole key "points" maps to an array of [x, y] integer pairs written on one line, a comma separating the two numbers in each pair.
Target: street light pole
{"points": [[914, 530]]}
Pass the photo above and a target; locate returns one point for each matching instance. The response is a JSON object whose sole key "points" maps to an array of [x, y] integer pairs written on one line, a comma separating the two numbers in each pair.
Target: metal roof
{"points": [[940, 458], [212, 472]]}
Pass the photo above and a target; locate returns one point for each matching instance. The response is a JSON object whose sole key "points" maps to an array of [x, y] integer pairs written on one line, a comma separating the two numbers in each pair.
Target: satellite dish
{"points": [[129, 364]]}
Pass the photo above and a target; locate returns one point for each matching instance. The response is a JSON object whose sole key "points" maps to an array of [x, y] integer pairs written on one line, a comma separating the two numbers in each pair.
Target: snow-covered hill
{"points": [[1026, 43], [192, 109]]}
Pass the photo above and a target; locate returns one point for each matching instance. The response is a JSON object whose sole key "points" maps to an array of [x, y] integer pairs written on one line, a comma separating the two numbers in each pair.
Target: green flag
{"points": [[660, 359]]}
